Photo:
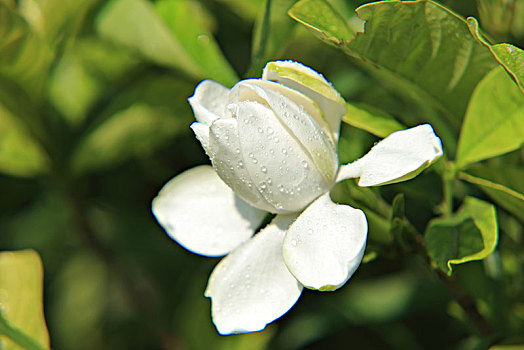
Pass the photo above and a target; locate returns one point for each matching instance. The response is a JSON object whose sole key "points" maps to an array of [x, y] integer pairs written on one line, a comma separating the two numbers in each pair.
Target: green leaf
{"points": [[512, 58], [21, 292], [502, 183], [24, 58], [135, 24], [181, 41], [509, 56], [494, 122], [471, 234], [404, 44], [371, 119], [184, 20], [320, 16], [20, 153]]}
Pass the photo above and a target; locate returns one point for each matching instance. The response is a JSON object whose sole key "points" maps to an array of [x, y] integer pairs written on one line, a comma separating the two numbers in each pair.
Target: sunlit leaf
{"points": [[509, 56], [371, 119], [471, 234], [199, 43], [21, 293], [20, 153], [135, 24], [404, 45], [494, 122], [504, 184]]}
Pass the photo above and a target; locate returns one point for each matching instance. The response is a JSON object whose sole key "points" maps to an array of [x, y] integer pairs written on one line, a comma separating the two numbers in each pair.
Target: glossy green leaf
{"points": [[24, 57], [184, 18], [20, 153], [135, 24], [404, 44], [494, 122], [504, 184], [471, 234], [512, 58], [371, 119], [509, 56], [21, 293]]}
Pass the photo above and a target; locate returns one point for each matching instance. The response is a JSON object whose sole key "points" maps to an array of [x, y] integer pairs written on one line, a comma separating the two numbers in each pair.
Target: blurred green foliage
{"points": [[94, 120]]}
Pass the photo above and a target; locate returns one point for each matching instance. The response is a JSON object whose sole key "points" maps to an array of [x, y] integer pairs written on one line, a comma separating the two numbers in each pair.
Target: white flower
{"points": [[272, 143]]}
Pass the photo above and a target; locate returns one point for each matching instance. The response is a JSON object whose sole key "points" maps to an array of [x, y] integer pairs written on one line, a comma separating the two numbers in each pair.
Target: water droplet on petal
{"points": [[269, 130], [294, 242], [263, 169], [305, 164]]}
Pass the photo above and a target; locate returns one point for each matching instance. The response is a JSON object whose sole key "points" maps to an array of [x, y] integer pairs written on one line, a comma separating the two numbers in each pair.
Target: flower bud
{"points": [[274, 142]]}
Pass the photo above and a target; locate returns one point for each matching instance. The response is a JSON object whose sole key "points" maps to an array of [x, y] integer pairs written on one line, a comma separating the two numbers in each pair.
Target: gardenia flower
{"points": [[273, 146]]}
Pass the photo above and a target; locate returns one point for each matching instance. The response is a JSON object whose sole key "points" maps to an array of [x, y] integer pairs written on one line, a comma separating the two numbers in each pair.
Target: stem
{"points": [[17, 335], [467, 304], [448, 179], [259, 52]]}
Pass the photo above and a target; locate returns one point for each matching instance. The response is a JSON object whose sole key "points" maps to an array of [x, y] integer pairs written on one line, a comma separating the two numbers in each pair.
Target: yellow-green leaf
{"points": [[371, 119], [471, 234], [21, 292], [494, 122]]}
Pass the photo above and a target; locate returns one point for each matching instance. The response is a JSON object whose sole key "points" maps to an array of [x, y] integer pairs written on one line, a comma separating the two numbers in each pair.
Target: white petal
{"points": [[209, 101], [202, 134], [325, 245], [203, 215], [229, 162], [306, 104], [252, 286], [312, 84], [275, 160], [399, 157], [307, 131]]}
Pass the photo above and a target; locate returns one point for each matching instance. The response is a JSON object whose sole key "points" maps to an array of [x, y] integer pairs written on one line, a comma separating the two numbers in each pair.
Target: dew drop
{"points": [[240, 164], [276, 139], [255, 161], [284, 151], [310, 231], [269, 130], [294, 242], [305, 164], [260, 130], [251, 155], [263, 169], [237, 150], [281, 188]]}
